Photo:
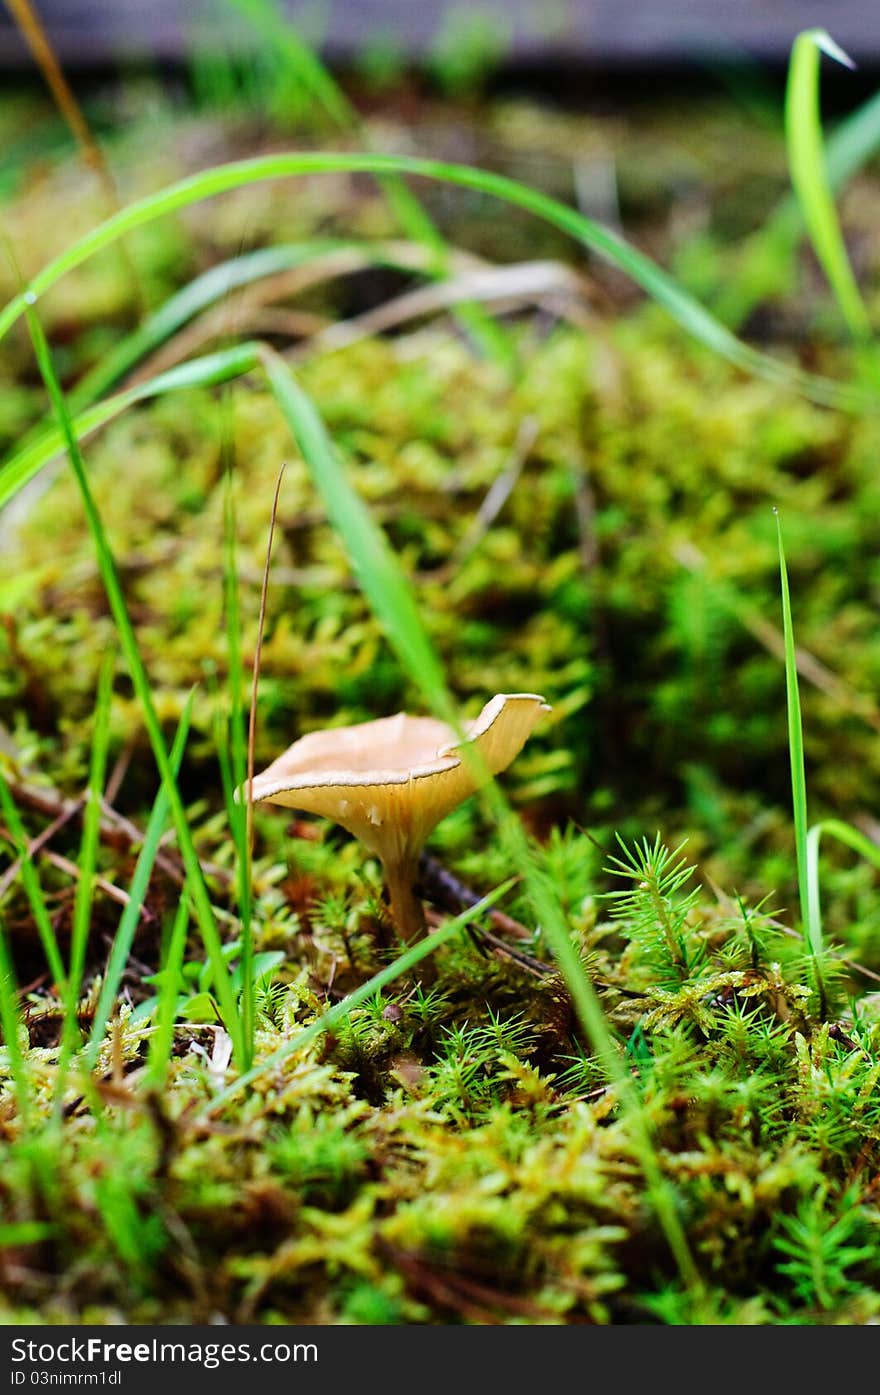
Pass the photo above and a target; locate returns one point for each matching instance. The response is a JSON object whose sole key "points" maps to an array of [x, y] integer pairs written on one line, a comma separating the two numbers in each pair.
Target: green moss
{"points": [[452, 1152]]}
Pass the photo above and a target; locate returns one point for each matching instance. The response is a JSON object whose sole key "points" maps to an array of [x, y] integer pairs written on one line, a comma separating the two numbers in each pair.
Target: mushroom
{"points": [[391, 781]]}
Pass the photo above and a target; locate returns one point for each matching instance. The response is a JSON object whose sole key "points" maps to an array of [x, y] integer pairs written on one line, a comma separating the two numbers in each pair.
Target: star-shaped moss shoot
{"points": [[391, 781]]}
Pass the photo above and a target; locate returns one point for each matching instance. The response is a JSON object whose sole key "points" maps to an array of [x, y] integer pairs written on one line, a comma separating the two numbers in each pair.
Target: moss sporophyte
{"points": [[391, 781]]}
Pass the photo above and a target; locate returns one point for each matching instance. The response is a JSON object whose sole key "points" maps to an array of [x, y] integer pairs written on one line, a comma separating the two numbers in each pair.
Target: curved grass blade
{"points": [[851, 838], [88, 854], [140, 681], [206, 290], [795, 746], [208, 371], [217, 283], [806, 159], [693, 317], [766, 260]]}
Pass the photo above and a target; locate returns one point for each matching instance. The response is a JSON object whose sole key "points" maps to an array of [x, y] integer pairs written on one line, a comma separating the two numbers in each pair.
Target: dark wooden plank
{"points": [[537, 31]]}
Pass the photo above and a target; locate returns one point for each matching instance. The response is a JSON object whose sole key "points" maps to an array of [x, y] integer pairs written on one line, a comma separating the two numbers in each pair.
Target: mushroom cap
{"points": [[390, 781]]}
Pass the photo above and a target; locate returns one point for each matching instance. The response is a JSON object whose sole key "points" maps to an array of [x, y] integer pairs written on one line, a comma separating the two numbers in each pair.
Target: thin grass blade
{"points": [[33, 889], [162, 1040], [128, 923], [128, 643], [807, 166], [412, 956], [693, 317], [851, 838], [209, 371], [238, 746], [88, 866], [795, 749], [88, 853], [198, 295]]}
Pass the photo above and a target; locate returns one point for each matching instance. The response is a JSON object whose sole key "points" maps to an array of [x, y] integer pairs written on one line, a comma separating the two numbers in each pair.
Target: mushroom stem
{"points": [[407, 911]]}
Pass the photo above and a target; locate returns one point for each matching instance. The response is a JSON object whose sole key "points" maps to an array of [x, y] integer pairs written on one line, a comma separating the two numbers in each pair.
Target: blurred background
{"points": [[522, 33]]}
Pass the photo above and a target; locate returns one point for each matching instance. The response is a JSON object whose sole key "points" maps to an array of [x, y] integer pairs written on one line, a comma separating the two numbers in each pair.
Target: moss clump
{"points": [[453, 1154]]}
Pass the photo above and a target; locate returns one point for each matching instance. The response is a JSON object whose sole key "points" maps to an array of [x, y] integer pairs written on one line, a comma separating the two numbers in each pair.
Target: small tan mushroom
{"points": [[391, 781]]}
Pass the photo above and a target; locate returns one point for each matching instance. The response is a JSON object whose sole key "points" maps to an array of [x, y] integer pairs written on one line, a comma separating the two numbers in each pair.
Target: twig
{"points": [[115, 893], [38, 843], [118, 773], [504, 285], [442, 887], [31, 28], [342, 261], [114, 829], [482, 937]]}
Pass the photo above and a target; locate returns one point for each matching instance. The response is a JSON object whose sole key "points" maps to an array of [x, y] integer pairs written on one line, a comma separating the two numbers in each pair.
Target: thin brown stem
{"points": [[258, 654], [32, 31], [38, 843], [407, 911]]}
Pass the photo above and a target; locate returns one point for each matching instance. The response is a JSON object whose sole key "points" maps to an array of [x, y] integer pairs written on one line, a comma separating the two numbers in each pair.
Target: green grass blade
{"points": [[33, 889], [140, 681], [11, 1025], [806, 159], [198, 295], [795, 746], [300, 64], [88, 866], [91, 829], [162, 1041], [374, 562], [208, 371], [767, 258], [128, 922], [303, 68], [18, 1233], [238, 746], [851, 838], [693, 317]]}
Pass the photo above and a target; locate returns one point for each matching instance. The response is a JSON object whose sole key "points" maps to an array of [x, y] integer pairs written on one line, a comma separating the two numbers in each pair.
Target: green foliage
{"points": [[458, 1133], [655, 910], [467, 49], [806, 157], [818, 1243]]}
